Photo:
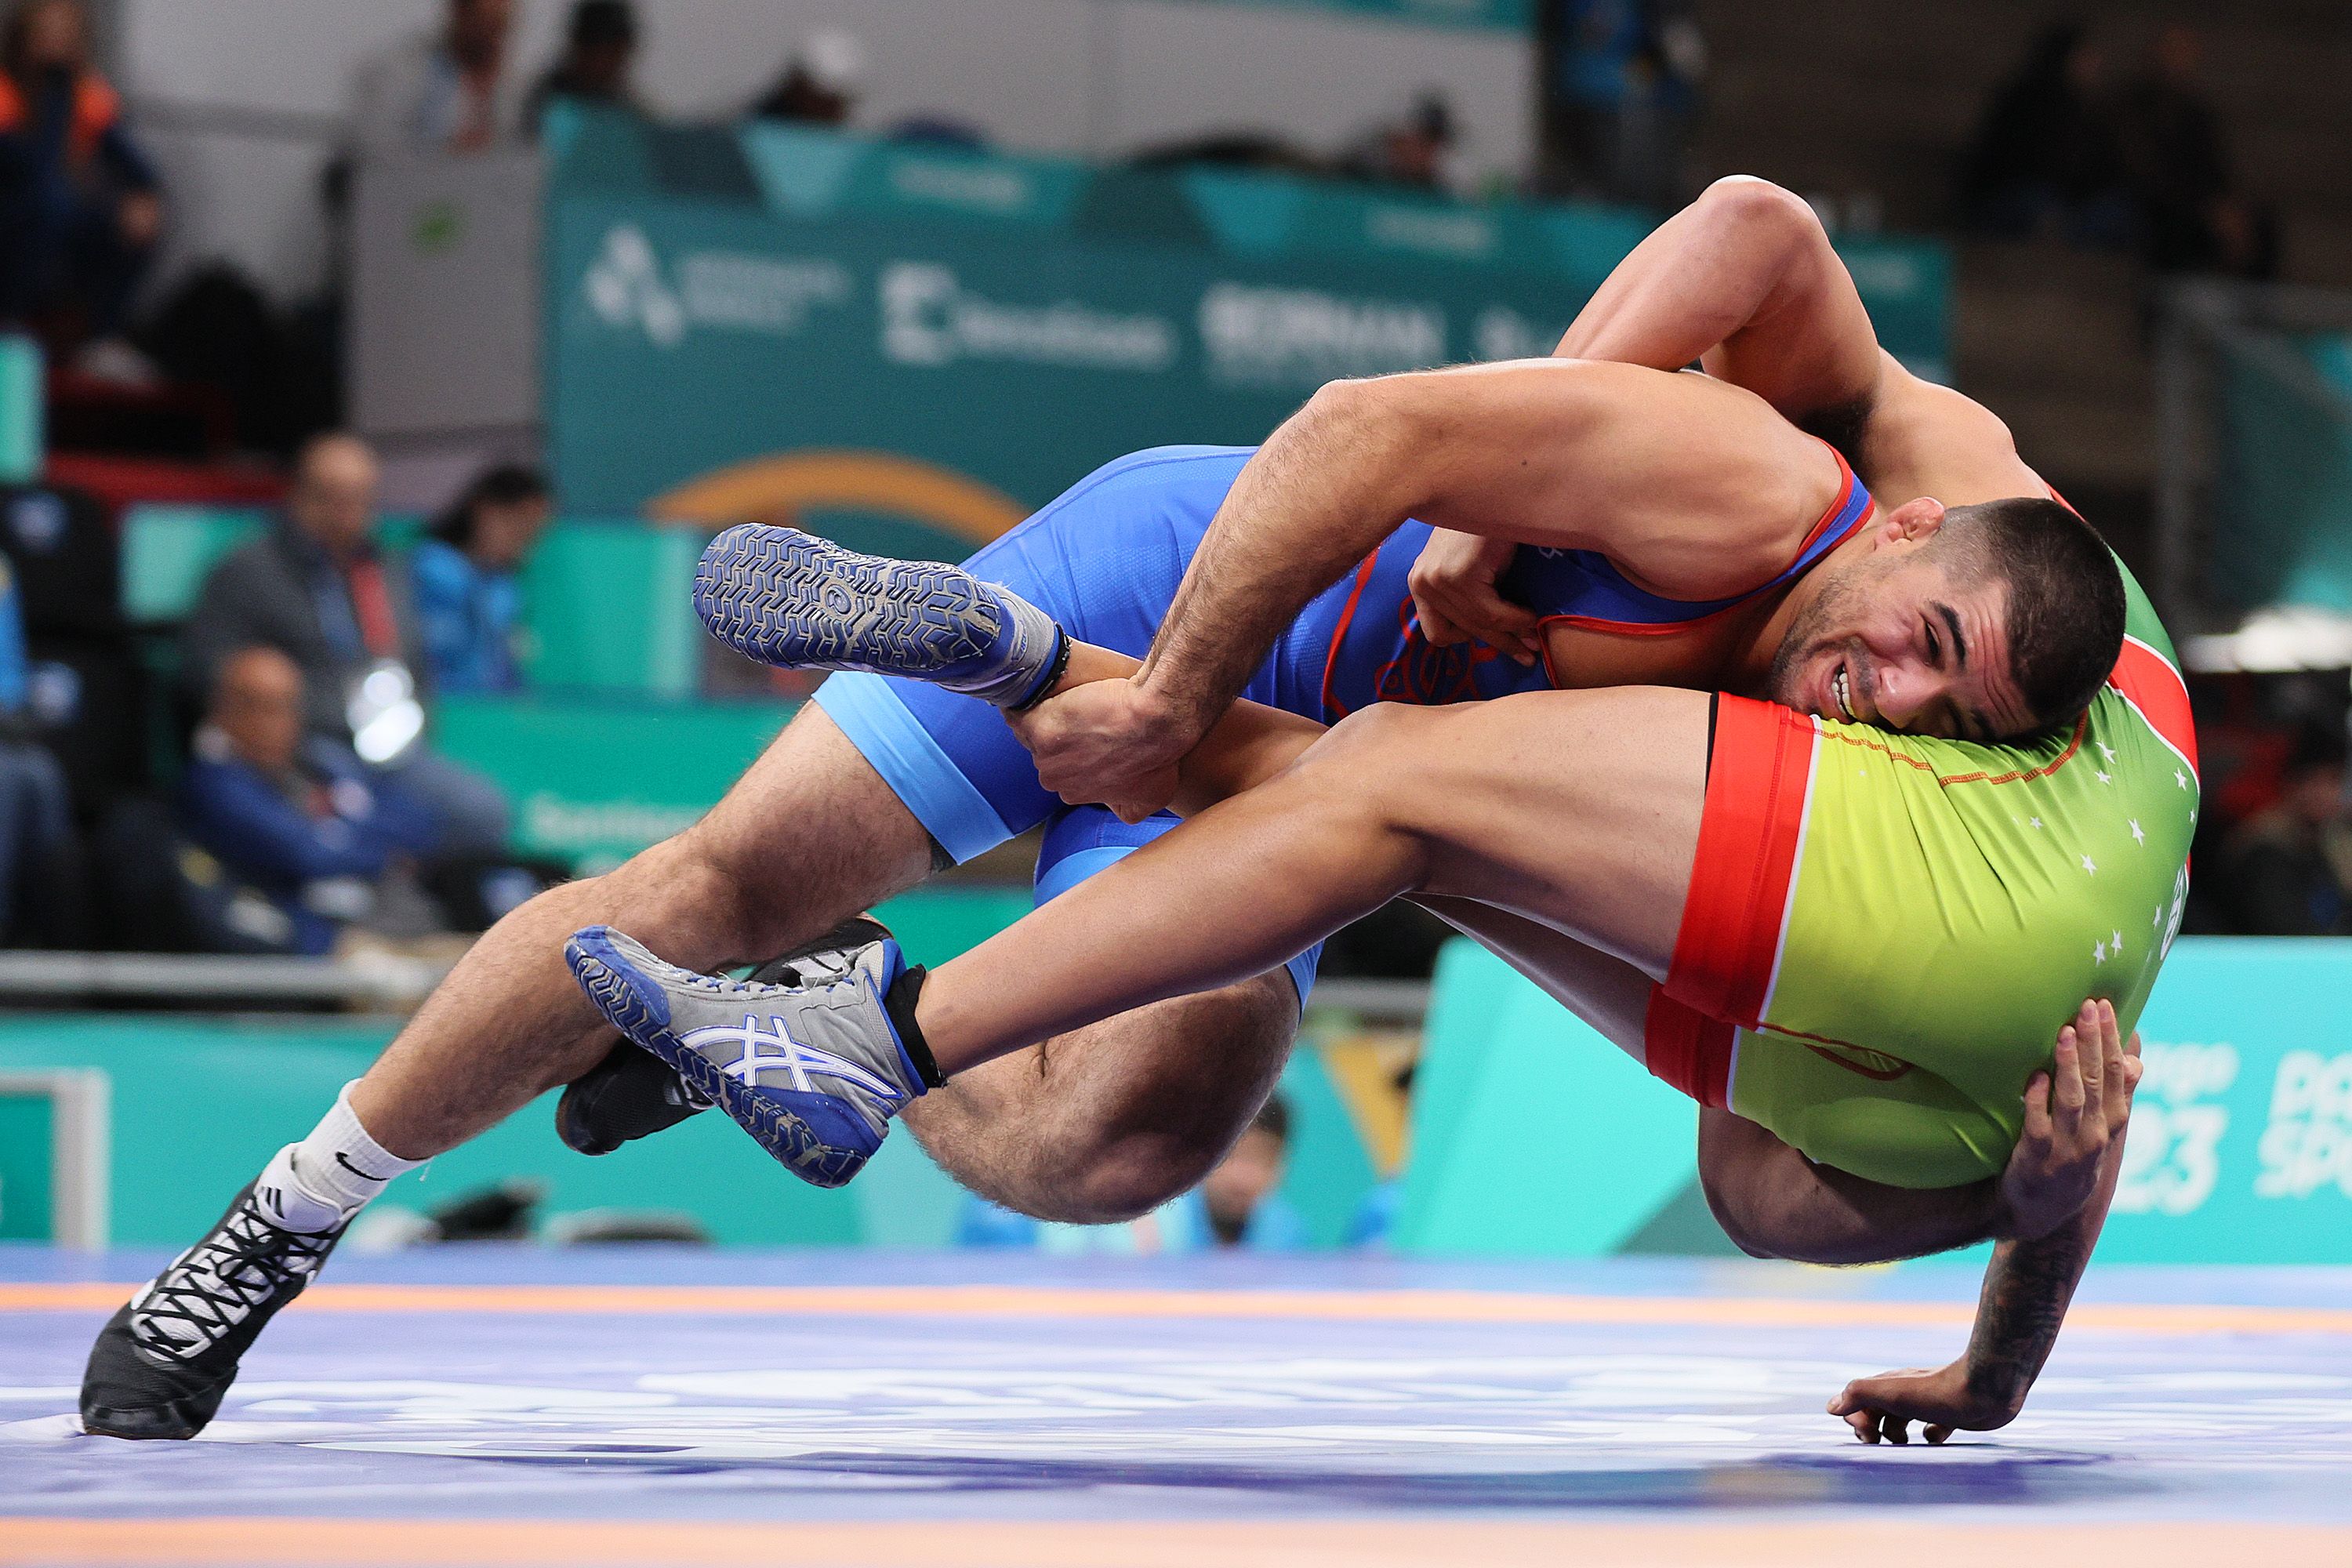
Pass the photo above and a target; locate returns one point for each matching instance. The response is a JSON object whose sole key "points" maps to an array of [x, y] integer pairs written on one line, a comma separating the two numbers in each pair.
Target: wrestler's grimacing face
{"points": [[1893, 639]]}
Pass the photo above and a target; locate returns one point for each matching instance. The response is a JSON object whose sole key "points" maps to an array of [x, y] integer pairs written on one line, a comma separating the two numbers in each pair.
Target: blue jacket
{"points": [[267, 838], [469, 618]]}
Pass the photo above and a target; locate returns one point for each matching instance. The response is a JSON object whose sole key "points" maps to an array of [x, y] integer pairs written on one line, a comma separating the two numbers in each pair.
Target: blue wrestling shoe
{"points": [[815, 1070], [791, 599]]}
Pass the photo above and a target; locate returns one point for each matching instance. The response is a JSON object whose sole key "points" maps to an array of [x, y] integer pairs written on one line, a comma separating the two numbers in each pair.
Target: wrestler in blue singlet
{"points": [[1104, 559]]}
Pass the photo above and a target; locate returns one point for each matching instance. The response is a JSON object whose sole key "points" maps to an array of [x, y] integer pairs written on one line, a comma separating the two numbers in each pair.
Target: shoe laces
{"points": [[217, 1284]]}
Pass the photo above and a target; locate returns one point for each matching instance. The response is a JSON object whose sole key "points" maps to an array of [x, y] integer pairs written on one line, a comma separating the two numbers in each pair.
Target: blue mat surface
{"points": [[491, 1383]]}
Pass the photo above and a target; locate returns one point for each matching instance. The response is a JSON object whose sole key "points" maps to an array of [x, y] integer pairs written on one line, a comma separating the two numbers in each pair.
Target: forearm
{"points": [[1745, 281], [1319, 496], [1774, 1202], [1249, 743], [1695, 281], [2026, 1292]]}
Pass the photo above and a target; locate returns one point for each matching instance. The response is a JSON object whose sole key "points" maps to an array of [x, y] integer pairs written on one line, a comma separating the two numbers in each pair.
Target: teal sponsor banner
{"points": [[595, 779], [1535, 1137], [776, 321], [2241, 1147]]}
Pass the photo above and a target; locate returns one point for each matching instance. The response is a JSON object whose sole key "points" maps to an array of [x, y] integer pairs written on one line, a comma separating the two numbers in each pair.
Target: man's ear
{"points": [[1913, 522]]}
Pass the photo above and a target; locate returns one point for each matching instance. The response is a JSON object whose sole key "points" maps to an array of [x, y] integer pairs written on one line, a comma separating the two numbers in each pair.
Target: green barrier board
{"points": [[1533, 1136], [593, 780], [26, 1131]]}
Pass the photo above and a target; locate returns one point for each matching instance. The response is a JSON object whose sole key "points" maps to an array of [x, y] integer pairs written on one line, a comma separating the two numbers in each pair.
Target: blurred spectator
{"points": [[1235, 1206], [2047, 159], [2191, 219], [2287, 871], [599, 52], [444, 91], [821, 80], [1620, 91], [1410, 151], [1372, 1227], [317, 589], [79, 203], [41, 869], [469, 603], [1242, 1194], [292, 816]]}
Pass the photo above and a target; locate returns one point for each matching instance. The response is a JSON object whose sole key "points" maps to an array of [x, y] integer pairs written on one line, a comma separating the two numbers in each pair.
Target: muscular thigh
{"points": [[1578, 810], [808, 836]]}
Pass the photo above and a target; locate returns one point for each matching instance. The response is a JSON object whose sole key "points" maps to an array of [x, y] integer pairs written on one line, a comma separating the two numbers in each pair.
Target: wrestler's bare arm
{"points": [[1744, 281], [1659, 468], [2018, 1313]]}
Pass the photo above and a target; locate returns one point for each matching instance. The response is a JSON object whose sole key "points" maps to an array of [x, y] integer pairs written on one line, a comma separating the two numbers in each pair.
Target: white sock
{"points": [[319, 1182]]}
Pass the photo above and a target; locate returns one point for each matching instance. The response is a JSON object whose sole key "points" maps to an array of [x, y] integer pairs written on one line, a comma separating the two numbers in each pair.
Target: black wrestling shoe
{"points": [[163, 1362], [634, 1094]]}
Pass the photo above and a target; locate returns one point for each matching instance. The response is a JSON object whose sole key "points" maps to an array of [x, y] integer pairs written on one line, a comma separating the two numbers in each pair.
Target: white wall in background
{"points": [[1319, 78], [240, 99]]}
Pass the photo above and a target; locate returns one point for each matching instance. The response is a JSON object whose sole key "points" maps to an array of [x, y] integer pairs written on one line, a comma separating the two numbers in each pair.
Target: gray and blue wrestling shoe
{"points": [[791, 599], [815, 1070]]}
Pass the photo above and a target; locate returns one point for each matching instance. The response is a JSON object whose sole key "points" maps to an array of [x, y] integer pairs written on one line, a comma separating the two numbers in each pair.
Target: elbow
{"points": [[1732, 1218], [1357, 409], [1759, 213], [1380, 425]]}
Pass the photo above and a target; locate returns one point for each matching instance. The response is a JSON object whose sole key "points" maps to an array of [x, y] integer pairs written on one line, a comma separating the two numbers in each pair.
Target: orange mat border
{"points": [[1183, 1543], [1337, 1306]]}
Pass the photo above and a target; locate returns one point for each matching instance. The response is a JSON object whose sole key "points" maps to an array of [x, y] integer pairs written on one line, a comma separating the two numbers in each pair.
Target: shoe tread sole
{"points": [[790, 599]]}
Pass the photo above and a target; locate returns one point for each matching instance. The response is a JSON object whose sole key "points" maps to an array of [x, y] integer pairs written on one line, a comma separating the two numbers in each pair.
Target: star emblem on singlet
{"points": [[2098, 953], [2104, 749], [2139, 836], [2089, 867]]}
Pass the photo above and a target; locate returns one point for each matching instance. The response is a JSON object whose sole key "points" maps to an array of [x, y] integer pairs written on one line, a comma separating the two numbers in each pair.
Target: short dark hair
{"points": [[600, 22], [2065, 596], [504, 484]]}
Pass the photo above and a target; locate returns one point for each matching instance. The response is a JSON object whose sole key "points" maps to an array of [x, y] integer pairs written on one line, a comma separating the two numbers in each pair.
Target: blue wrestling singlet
{"points": [[1104, 559]]}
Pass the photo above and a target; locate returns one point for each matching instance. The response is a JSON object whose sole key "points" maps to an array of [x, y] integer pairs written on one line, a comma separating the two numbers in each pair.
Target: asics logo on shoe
{"points": [[794, 1057]]}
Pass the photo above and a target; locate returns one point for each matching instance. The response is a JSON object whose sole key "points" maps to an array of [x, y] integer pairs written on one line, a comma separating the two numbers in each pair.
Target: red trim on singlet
{"points": [[2156, 689], [2150, 682], [1689, 1050], [1331, 709], [1749, 832], [1846, 483]]}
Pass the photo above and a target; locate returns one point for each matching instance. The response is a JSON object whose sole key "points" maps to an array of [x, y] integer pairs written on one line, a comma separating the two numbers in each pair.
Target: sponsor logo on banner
{"points": [[729, 291], [2172, 1159], [1465, 235], [929, 317], [555, 825], [1263, 337], [2307, 1146], [1002, 188]]}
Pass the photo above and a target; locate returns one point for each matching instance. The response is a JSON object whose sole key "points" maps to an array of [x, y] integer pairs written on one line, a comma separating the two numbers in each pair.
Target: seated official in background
{"points": [[468, 601], [291, 818], [318, 589]]}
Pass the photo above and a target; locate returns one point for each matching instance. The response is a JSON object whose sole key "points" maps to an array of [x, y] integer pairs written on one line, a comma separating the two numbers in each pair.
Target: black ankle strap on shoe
{"points": [[1050, 678], [900, 1004]]}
